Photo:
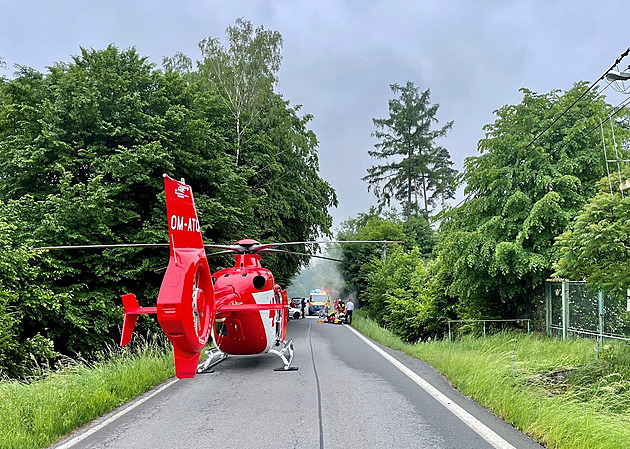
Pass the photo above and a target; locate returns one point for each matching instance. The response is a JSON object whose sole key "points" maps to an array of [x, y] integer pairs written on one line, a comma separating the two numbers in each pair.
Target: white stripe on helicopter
{"points": [[266, 297]]}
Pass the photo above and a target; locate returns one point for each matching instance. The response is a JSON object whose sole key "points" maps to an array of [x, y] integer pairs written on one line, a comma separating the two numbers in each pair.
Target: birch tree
{"points": [[244, 72]]}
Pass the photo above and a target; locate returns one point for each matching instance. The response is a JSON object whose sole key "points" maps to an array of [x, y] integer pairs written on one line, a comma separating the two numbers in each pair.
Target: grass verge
{"points": [[555, 391], [37, 413]]}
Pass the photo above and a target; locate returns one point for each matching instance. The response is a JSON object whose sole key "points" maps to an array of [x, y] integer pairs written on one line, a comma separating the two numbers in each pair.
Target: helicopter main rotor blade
{"points": [[119, 245], [263, 246], [221, 253], [229, 248], [284, 251], [232, 248]]}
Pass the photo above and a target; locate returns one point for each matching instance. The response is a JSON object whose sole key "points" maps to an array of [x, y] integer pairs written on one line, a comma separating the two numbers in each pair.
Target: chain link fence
{"points": [[572, 308]]}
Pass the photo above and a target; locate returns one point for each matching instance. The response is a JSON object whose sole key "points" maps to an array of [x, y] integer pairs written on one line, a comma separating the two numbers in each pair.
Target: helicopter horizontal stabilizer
{"points": [[132, 310]]}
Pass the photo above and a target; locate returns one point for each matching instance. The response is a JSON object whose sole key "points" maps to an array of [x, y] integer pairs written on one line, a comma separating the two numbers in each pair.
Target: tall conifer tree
{"points": [[416, 167]]}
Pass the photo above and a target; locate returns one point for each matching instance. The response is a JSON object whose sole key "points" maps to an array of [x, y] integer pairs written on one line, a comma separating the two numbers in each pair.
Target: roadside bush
{"points": [[23, 349]]}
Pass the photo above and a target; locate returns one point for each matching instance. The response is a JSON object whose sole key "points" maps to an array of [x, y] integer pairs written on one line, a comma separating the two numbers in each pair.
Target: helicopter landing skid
{"points": [[287, 349], [215, 356]]}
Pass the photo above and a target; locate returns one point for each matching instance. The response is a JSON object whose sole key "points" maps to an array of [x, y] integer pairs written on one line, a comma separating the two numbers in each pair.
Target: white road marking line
{"points": [[114, 417], [485, 432]]}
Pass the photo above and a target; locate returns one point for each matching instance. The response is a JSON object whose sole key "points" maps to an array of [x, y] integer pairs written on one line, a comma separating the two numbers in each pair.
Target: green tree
{"points": [[82, 151], [389, 296], [418, 233], [244, 72], [441, 179], [407, 294], [279, 156], [292, 199], [596, 247], [366, 226], [437, 305], [415, 164], [498, 246]]}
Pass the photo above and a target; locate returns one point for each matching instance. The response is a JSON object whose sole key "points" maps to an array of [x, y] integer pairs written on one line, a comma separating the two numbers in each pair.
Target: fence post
{"points": [[565, 309], [547, 310], [484, 328], [600, 327], [449, 332]]}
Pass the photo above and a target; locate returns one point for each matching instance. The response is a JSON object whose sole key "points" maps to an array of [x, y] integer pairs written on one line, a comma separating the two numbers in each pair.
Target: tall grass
{"points": [[555, 391], [38, 412]]}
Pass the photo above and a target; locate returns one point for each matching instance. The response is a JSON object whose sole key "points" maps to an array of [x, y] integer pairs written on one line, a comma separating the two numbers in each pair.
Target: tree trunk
{"points": [[238, 138], [415, 192], [409, 190], [424, 193]]}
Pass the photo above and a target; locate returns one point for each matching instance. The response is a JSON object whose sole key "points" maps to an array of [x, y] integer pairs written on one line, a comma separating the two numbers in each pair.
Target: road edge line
{"points": [[481, 429], [73, 441]]}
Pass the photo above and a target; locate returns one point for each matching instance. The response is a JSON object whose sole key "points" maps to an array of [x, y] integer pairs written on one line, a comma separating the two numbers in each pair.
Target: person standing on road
{"points": [[349, 309]]}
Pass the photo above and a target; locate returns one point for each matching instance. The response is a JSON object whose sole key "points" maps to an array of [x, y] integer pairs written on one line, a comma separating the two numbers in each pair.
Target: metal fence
{"points": [[571, 308], [458, 328]]}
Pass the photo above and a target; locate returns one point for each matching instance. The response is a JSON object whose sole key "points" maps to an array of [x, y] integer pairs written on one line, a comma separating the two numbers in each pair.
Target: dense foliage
{"points": [[403, 294], [22, 301], [522, 194], [495, 250], [414, 231], [82, 151], [596, 247]]}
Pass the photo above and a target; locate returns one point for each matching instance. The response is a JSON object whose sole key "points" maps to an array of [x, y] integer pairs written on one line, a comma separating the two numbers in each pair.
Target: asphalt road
{"points": [[345, 395]]}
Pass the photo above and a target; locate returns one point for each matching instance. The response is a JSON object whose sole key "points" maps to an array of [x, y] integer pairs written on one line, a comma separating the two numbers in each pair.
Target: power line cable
{"points": [[619, 107], [614, 112], [617, 61]]}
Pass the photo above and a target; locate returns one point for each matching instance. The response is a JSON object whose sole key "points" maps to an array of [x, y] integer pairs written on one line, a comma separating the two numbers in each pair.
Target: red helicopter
{"points": [[241, 307]]}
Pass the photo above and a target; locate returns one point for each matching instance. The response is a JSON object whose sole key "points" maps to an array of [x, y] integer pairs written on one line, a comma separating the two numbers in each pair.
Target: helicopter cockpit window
{"points": [[259, 282]]}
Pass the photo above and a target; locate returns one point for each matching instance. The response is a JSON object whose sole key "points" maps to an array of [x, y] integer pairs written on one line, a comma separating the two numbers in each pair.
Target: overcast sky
{"points": [[340, 57]]}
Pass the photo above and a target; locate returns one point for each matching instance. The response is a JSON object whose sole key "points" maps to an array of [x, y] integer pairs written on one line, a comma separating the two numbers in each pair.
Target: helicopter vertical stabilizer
{"points": [[185, 305]]}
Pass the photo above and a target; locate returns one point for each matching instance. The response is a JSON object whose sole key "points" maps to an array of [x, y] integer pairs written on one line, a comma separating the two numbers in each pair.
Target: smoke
{"points": [[323, 274]]}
